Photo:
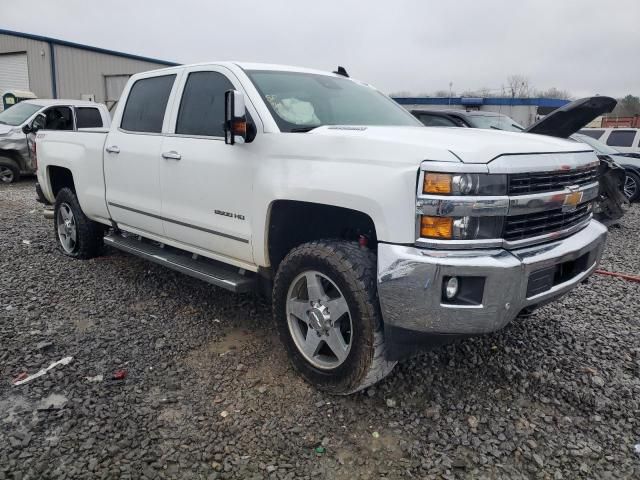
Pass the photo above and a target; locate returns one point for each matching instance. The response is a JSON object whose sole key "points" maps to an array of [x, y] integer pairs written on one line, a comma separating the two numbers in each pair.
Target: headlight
{"points": [[464, 184], [460, 228]]}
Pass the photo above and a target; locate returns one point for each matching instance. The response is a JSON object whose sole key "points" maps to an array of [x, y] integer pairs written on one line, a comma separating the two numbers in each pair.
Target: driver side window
{"points": [[57, 118], [202, 106]]}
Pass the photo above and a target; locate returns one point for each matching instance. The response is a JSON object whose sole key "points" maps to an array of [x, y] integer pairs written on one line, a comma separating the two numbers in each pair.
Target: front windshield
{"points": [[302, 101], [597, 145], [495, 122], [17, 114]]}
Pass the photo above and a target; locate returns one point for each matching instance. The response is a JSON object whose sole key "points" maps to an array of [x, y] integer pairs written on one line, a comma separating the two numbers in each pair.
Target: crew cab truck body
{"points": [[372, 233], [19, 123]]}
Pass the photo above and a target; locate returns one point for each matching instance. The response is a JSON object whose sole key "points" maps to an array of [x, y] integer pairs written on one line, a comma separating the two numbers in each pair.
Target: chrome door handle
{"points": [[113, 149], [172, 155]]}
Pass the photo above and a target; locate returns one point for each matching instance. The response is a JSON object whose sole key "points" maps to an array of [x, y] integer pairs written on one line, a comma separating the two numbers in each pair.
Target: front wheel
{"points": [[77, 235], [632, 186], [328, 317], [9, 171]]}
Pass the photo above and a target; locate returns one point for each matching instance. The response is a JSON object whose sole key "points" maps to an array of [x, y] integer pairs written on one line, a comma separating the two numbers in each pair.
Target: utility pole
{"points": [[450, 92]]}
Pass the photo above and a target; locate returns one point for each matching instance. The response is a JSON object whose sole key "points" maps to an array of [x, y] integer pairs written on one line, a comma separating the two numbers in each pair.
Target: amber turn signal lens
{"points": [[438, 183], [239, 127], [436, 227]]}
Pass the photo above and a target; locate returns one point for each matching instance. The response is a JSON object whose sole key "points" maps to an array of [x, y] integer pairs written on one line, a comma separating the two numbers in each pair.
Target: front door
{"points": [[132, 157], [206, 184]]}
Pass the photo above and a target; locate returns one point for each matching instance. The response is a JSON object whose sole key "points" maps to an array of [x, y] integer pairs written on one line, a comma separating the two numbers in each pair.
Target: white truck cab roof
{"points": [[48, 102]]}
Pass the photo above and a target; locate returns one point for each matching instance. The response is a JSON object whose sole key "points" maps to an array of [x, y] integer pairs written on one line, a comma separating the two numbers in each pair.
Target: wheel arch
{"points": [[291, 223], [59, 178], [13, 155]]}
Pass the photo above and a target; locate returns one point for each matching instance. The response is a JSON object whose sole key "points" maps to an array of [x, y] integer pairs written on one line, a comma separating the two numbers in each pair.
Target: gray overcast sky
{"points": [[584, 46]]}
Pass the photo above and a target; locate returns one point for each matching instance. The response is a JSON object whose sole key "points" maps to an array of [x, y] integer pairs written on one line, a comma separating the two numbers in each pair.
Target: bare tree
{"points": [[627, 106], [553, 92], [401, 94], [485, 92], [517, 86]]}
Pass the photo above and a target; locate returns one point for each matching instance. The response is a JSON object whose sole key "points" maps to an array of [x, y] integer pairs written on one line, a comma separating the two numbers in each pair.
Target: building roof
{"points": [[537, 101], [80, 46]]}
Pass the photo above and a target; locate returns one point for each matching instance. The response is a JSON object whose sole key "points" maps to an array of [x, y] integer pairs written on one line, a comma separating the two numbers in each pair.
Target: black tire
{"points": [[353, 270], [636, 178], [89, 234], [8, 163]]}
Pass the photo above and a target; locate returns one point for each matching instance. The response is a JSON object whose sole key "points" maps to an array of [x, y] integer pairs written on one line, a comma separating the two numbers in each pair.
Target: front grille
{"points": [[519, 227], [524, 183]]}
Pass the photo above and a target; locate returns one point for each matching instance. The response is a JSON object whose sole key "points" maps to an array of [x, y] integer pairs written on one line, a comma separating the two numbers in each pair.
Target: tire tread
{"points": [[358, 265], [90, 233]]}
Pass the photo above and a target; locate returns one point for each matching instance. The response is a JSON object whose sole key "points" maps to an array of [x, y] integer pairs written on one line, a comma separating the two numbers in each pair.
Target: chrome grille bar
{"points": [[525, 183]]}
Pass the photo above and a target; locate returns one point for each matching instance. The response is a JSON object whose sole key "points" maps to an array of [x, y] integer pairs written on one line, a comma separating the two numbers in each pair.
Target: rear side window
{"points": [[592, 133], [146, 104], [202, 105], [621, 138], [88, 117]]}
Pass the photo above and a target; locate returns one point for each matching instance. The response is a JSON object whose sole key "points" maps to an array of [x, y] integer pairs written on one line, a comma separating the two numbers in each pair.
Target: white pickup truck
{"points": [[373, 234]]}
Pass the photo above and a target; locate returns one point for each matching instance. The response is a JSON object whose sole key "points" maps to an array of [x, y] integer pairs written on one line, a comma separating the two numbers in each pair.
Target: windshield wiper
{"points": [[494, 127], [3, 123], [304, 129]]}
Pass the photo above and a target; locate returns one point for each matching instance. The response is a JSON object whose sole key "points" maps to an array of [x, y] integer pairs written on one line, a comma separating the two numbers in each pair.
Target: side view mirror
{"points": [[236, 127], [37, 123]]}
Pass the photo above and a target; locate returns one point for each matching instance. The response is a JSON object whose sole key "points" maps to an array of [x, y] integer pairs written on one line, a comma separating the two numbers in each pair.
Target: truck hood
{"points": [[469, 145], [567, 120]]}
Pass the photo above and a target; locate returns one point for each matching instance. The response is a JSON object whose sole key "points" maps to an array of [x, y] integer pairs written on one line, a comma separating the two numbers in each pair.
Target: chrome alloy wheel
{"points": [[6, 174], [67, 232], [630, 186], [319, 320]]}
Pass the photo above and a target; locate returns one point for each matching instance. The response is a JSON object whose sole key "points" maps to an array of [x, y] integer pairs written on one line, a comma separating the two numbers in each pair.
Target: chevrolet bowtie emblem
{"points": [[572, 200]]}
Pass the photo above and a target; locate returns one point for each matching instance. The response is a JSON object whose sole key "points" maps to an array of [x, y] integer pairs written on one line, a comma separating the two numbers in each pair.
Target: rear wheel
{"points": [[328, 317], [632, 186], [77, 235], [9, 171]]}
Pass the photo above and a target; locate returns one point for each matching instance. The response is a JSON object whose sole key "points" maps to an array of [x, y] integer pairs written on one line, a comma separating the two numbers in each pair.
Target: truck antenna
{"points": [[341, 71]]}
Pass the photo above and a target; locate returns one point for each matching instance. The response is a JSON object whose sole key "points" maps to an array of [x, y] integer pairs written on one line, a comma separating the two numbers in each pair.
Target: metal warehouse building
{"points": [[53, 68], [525, 111]]}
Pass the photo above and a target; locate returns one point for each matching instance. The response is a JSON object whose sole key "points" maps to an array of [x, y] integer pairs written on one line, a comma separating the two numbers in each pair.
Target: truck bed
{"points": [[81, 153]]}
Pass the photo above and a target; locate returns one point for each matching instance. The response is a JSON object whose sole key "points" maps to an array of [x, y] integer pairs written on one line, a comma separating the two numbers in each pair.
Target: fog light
{"points": [[451, 288]]}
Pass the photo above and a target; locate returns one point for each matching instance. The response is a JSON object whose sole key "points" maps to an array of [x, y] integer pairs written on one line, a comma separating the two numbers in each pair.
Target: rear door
{"points": [[206, 184], [132, 155]]}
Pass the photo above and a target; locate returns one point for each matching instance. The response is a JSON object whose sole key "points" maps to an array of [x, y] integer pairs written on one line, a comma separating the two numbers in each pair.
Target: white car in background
{"points": [[630, 162], [624, 140]]}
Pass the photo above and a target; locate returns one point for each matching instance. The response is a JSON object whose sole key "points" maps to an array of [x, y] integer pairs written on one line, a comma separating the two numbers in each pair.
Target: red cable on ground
{"points": [[625, 276]]}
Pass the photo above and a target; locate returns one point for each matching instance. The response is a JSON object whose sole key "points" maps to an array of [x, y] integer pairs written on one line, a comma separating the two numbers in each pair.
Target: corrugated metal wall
{"points": [[81, 72], [78, 71], [37, 59]]}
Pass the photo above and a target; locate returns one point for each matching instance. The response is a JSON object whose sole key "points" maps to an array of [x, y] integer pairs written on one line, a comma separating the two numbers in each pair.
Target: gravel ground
{"points": [[210, 394]]}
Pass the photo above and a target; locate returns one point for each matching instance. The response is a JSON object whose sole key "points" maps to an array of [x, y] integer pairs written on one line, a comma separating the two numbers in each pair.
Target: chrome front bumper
{"points": [[410, 282]]}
